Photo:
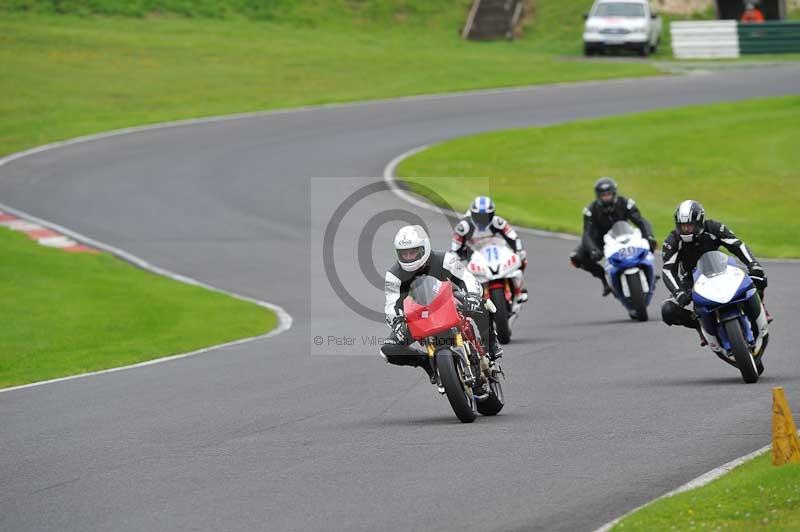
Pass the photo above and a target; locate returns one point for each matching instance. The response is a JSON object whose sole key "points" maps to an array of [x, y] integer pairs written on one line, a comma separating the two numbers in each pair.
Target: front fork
{"points": [[460, 349]]}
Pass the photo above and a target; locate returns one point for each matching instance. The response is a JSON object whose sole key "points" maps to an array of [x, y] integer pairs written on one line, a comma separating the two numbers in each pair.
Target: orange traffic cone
{"points": [[785, 445]]}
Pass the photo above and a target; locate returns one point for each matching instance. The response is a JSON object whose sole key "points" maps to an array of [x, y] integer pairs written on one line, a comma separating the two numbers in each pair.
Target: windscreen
{"points": [[424, 289], [712, 263], [620, 229], [619, 9]]}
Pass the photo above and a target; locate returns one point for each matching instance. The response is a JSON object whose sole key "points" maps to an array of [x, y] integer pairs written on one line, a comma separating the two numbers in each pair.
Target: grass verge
{"points": [[739, 159], [63, 76], [65, 314], [754, 496]]}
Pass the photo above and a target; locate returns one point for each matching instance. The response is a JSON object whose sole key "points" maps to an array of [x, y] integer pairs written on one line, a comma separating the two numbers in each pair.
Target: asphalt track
{"points": [[603, 414]]}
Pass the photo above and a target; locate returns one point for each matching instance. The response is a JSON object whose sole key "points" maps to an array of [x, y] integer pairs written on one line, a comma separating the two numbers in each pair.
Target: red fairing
{"points": [[440, 315]]}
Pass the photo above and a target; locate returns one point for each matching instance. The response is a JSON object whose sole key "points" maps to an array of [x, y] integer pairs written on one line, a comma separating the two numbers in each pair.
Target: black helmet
{"points": [[603, 186], [690, 217]]}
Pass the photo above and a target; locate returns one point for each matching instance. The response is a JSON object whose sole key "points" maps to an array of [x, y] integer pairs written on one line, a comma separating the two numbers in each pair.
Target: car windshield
{"points": [[619, 9], [424, 289], [712, 263], [620, 229]]}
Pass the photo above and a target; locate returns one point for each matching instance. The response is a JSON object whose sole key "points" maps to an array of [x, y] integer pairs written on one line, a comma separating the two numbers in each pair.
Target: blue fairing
{"points": [[624, 260], [712, 313]]}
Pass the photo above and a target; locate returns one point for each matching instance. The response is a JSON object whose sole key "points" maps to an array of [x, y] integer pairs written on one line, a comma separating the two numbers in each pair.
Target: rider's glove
{"points": [[473, 303], [653, 243], [758, 276], [400, 330], [596, 255], [683, 298]]}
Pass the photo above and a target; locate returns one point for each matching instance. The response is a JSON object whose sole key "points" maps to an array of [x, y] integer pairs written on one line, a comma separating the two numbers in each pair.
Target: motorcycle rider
{"points": [[481, 224], [415, 258], [693, 236], [598, 217]]}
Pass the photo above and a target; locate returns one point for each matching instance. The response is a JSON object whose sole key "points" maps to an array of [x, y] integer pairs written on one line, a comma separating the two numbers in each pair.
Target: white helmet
{"points": [[413, 247]]}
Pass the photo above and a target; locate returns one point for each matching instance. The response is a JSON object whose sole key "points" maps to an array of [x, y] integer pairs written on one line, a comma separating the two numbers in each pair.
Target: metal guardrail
{"points": [[705, 39], [729, 38], [769, 38]]}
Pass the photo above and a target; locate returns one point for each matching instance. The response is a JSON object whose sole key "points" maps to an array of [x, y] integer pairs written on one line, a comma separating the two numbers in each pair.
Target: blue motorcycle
{"points": [[731, 313], [629, 268]]}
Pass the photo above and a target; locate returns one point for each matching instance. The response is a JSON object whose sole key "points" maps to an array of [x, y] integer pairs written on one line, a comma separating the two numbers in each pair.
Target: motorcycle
{"points": [[497, 268], [730, 311], [451, 340], [629, 268]]}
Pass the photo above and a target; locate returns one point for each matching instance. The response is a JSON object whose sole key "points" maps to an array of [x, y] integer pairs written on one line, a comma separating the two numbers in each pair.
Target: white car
{"points": [[621, 25]]}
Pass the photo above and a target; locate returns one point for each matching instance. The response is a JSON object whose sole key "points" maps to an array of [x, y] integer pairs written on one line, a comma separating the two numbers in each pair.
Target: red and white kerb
{"points": [[46, 237]]}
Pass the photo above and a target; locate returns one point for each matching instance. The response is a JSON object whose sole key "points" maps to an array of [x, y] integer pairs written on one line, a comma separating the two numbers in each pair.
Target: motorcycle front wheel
{"points": [[458, 394], [742, 354], [638, 297]]}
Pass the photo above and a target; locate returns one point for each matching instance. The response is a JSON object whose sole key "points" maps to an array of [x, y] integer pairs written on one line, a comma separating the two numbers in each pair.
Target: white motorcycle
{"points": [[629, 268], [498, 268]]}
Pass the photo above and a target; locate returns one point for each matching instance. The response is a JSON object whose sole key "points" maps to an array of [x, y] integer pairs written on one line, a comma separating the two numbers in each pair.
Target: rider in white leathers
{"points": [[480, 225]]}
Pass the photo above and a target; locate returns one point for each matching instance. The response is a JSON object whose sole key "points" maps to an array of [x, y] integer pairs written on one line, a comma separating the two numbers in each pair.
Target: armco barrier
{"points": [[769, 38], [729, 38], [705, 39]]}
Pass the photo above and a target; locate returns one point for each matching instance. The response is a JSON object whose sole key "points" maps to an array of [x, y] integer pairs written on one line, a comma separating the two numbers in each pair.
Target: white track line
{"points": [[700, 481], [307, 108]]}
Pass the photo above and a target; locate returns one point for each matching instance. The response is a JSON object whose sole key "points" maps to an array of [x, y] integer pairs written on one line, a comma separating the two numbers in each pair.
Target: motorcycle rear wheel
{"points": [[492, 405], [458, 394], [742, 354]]}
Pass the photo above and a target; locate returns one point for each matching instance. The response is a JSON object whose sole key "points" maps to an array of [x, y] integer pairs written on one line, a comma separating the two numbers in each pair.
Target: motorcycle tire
{"points": [[498, 297], [638, 297], [741, 353], [492, 405], [460, 396]]}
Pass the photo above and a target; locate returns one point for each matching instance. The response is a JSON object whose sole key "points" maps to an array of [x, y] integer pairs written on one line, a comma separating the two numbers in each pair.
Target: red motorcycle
{"points": [[452, 342]]}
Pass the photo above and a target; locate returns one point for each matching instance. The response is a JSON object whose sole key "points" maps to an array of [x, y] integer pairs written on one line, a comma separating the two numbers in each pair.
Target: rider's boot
{"points": [[426, 365], [493, 348], [599, 272], [703, 341], [606, 287], [522, 296]]}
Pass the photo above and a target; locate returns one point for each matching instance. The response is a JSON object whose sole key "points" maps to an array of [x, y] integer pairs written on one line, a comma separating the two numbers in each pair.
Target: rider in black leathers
{"points": [[693, 236], [598, 217]]}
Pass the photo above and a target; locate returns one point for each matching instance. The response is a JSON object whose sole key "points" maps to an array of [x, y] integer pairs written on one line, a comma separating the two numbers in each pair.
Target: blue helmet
{"points": [[482, 211]]}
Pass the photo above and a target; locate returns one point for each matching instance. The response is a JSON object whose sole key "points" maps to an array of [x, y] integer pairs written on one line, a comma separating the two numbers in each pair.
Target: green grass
{"points": [[64, 314], [740, 160], [754, 496], [72, 67], [63, 76]]}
